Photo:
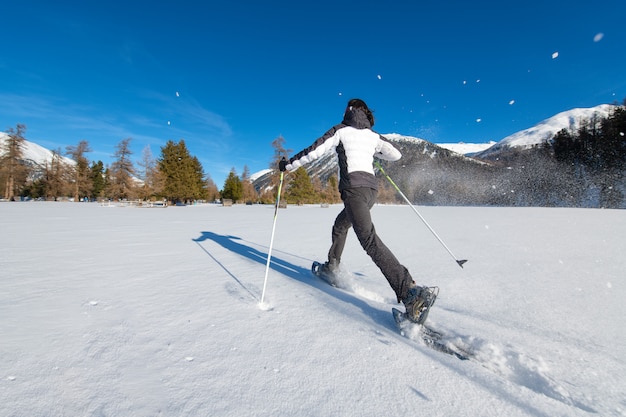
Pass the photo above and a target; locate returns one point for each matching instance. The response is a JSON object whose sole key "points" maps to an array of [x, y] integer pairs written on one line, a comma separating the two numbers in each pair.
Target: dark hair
{"points": [[357, 103]]}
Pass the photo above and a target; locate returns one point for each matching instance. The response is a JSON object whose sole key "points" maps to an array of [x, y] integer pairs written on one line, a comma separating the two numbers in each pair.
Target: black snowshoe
{"points": [[418, 304], [326, 272]]}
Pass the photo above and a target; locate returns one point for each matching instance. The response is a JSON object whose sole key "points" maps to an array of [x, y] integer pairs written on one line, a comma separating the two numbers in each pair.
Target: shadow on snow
{"points": [[236, 245]]}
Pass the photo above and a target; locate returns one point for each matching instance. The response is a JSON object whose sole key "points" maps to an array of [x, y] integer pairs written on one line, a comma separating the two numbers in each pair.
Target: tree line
{"points": [[582, 168], [175, 175], [298, 186], [595, 157]]}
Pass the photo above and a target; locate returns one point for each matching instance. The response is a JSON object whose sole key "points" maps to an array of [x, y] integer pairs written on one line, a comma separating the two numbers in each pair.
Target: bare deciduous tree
{"points": [[80, 173], [122, 172], [12, 165]]}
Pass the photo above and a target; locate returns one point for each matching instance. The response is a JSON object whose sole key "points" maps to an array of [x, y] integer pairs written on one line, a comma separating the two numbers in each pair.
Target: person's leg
{"points": [[358, 203], [339, 234]]}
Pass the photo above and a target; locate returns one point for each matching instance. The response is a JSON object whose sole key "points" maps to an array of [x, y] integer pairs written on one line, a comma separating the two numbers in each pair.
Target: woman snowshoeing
{"points": [[357, 145]]}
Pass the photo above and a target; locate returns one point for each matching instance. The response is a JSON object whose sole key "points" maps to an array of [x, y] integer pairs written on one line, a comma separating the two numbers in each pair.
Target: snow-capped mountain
{"points": [[467, 149], [546, 129], [440, 173], [524, 139], [415, 152], [259, 174], [436, 174], [33, 153]]}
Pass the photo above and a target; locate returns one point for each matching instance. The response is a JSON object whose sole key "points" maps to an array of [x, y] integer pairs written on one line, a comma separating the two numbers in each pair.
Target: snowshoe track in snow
{"points": [[510, 364], [430, 337]]}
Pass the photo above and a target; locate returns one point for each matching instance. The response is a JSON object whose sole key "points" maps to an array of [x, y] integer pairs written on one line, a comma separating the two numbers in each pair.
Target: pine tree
{"points": [[199, 188], [563, 146], [80, 172], [300, 189], [233, 189], [613, 144], [182, 174], [97, 177]]}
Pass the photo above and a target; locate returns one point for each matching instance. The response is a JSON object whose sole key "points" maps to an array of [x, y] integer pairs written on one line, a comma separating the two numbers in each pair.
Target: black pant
{"points": [[356, 213]]}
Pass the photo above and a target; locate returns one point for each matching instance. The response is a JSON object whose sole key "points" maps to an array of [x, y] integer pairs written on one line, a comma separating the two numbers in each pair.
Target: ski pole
{"points": [[269, 253], [460, 262]]}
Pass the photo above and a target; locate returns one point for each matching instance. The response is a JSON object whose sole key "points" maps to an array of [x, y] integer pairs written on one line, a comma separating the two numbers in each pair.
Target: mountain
{"points": [[467, 149], [416, 153], [545, 130], [34, 154], [540, 133], [511, 172]]}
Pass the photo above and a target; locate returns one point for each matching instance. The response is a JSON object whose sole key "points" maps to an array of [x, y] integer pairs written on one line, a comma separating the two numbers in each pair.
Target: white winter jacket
{"points": [[356, 145]]}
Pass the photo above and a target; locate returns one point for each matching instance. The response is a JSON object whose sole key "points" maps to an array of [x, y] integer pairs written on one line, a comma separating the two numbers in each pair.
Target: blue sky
{"points": [[229, 77]]}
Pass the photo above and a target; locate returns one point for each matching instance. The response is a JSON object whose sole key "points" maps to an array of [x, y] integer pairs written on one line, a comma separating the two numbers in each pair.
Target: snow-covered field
{"points": [[120, 311]]}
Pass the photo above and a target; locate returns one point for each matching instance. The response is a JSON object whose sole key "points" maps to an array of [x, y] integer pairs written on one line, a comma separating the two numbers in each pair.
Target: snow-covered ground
{"points": [[120, 311]]}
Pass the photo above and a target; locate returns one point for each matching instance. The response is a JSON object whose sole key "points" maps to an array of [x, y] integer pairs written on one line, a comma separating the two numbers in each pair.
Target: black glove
{"points": [[282, 165]]}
